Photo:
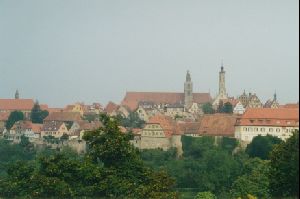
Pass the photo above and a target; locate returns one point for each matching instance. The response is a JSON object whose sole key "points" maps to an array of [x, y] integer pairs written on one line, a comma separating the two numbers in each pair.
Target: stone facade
{"points": [[188, 91], [222, 95], [250, 100]]}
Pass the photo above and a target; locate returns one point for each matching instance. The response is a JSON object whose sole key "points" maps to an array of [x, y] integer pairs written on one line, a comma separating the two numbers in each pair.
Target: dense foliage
{"points": [[214, 165], [284, 171], [207, 108], [13, 118], [261, 146], [38, 115], [132, 121], [112, 168]]}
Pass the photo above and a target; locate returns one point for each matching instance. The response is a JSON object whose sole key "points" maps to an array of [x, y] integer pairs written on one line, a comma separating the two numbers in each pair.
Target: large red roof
{"points": [[217, 125], [111, 107], [63, 116], [270, 117], [16, 104], [132, 99]]}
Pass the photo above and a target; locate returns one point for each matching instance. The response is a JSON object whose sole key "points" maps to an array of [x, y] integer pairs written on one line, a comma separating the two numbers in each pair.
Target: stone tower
{"points": [[222, 95], [222, 89], [188, 91], [17, 95]]}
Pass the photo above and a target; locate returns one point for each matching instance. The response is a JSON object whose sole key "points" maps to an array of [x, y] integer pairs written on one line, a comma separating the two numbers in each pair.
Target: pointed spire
{"points": [[275, 96], [17, 95], [188, 76], [222, 66]]}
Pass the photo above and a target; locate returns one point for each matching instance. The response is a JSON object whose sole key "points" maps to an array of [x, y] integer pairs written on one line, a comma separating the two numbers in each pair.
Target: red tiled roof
{"points": [[16, 104], [132, 99], [270, 117], [63, 116], [44, 106], [110, 107], [86, 125], [187, 128], [217, 125], [4, 116], [28, 125], [296, 106], [52, 125], [52, 110], [166, 123]]}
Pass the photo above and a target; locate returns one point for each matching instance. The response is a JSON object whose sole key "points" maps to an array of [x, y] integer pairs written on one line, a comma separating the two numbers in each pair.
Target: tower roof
{"points": [[188, 76]]}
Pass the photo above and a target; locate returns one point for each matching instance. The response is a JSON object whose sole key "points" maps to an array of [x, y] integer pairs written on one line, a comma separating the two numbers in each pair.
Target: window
{"points": [[270, 130], [262, 129], [278, 130]]}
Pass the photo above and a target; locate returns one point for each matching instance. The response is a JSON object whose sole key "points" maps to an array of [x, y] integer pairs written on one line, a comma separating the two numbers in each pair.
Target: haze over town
{"points": [[61, 52]]}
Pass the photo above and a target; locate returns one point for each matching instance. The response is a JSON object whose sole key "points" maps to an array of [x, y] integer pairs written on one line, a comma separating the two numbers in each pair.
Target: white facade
{"points": [[239, 109], [247, 133]]}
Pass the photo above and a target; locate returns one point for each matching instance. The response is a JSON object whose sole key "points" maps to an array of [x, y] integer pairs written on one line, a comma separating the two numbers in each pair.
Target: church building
{"points": [[186, 98]]}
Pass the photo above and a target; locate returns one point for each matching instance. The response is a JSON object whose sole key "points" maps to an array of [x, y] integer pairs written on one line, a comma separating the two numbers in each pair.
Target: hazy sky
{"points": [[64, 51]]}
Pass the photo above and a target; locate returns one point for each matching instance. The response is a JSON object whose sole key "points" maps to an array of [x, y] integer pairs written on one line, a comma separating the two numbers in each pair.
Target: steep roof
{"points": [[217, 125], [187, 128], [166, 123], [110, 107], [132, 99], [27, 125], [63, 116], [269, 113], [270, 117], [86, 125], [52, 125], [16, 104]]}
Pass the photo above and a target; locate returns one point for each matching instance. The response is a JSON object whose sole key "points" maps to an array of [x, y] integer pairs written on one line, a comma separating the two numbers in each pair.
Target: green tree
{"points": [[38, 115], [227, 108], [261, 146], [229, 144], [64, 137], [284, 171], [254, 181], [205, 195], [107, 145], [207, 108], [13, 118], [132, 121]]}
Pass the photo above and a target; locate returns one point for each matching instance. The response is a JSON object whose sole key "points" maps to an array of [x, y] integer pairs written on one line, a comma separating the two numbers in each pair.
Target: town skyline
{"points": [[61, 52]]}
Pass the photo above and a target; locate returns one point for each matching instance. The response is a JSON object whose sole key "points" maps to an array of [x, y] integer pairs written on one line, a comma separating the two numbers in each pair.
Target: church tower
{"points": [[17, 95], [222, 95], [188, 91], [222, 89]]}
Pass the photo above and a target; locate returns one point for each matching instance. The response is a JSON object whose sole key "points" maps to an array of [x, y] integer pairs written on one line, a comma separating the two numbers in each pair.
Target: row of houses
{"points": [[55, 125], [163, 132]]}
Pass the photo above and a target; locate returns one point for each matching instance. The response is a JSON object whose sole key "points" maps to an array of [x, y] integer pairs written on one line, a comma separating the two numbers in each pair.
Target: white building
{"points": [[279, 122], [239, 108]]}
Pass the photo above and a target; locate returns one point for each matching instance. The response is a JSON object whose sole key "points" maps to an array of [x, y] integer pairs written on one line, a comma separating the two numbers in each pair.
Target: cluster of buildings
{"points": [[168, 116]]}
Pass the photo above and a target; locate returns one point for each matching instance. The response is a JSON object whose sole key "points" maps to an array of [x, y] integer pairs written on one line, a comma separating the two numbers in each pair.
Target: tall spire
{"points": [[222, 66], [188, 76], [17, 95], [188, 90], [275, 96]]}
